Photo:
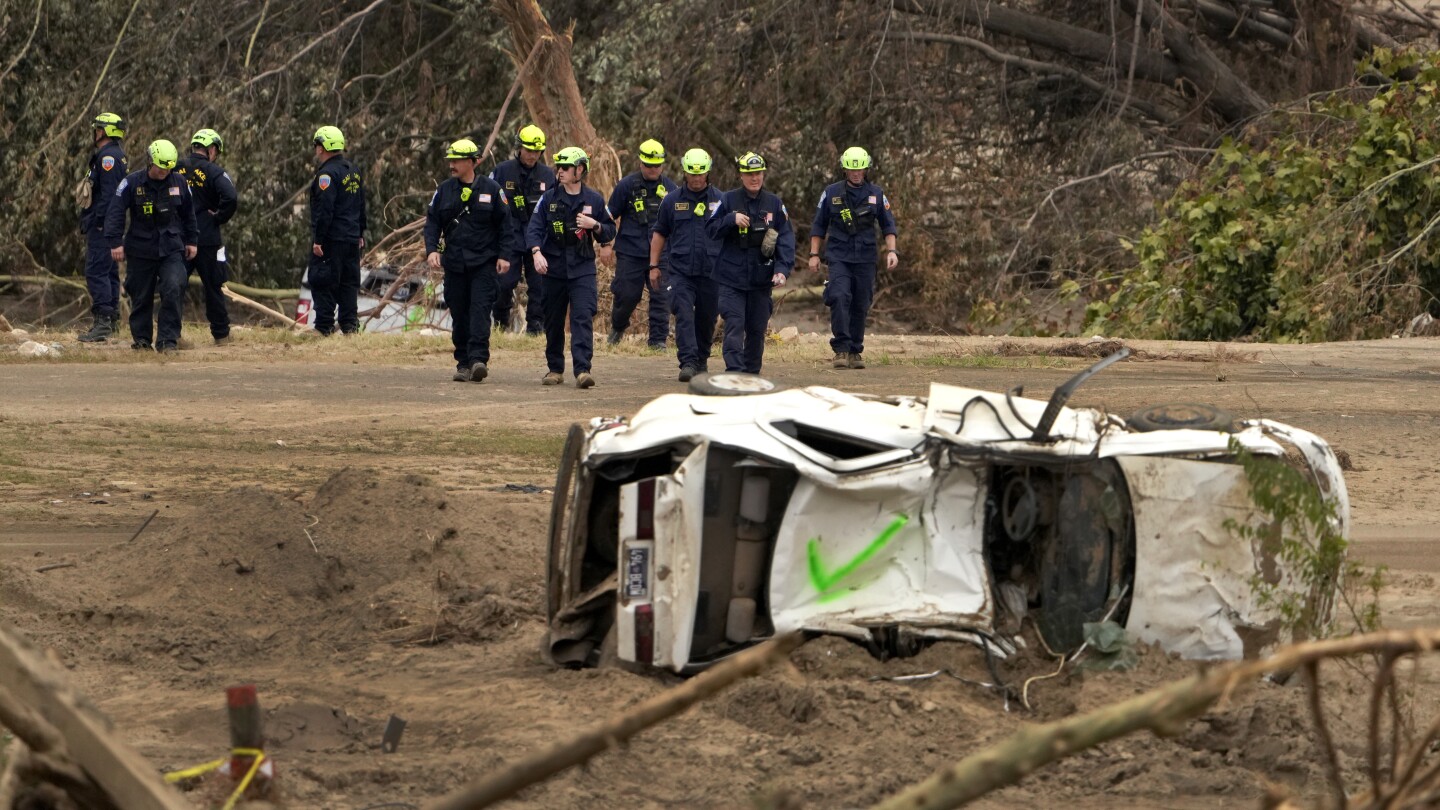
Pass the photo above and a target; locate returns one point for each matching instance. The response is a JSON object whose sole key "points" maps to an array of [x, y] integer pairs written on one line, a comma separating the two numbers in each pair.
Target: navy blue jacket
{"points": [[738, 263], [215, 196], [337, 203], [848, 215], [689, 250], [162, 216], [523, 188], [569, 251], [107, 168], [473, 221], [635, 201]]}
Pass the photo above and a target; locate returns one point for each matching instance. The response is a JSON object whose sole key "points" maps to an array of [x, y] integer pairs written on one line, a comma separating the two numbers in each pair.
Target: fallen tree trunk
{"points": [[253, 292]]}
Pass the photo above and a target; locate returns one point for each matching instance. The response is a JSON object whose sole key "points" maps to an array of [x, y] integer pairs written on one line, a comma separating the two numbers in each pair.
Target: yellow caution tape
{"points": [[206, 767]]}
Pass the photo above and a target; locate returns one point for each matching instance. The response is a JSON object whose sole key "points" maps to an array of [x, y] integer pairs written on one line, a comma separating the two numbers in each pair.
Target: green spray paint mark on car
{"points": [[825, 580]]}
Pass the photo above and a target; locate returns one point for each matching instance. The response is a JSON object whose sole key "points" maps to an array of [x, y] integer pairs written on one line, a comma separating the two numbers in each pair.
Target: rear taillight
{"points": [[645, 514], [645, 634]]}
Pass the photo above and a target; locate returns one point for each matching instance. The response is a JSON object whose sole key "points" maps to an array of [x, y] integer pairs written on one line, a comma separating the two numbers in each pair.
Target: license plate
{"points": [[637, 573]]}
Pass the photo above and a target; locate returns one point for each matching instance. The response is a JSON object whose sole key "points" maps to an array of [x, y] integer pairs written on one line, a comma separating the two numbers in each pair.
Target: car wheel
{"points": [[559, 504], [731, 384], [1182, 416]]}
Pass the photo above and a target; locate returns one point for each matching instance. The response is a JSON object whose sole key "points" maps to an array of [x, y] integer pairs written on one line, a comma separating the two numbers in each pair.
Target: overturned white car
{"points": [[711, 521]]}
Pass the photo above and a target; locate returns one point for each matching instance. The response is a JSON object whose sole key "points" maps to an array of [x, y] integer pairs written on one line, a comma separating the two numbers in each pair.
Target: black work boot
{"points": [[615, 335], [100, 330]]}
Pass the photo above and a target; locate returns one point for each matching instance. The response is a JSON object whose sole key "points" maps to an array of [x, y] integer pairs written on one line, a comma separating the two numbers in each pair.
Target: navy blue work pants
{"points": [[213, 272], [747, 315], [521, 265], [578, 298], [695, 300], [849, 293], [344, 294], [143, 278], [470, 293], [102, 276], [632, 279]]}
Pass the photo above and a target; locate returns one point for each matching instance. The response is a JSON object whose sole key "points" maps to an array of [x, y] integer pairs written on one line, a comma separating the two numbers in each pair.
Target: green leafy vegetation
{"points": [[1319, 224], [1302, 532]]}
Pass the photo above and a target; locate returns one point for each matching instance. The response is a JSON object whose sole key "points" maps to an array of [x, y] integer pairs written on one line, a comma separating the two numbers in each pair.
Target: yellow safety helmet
{"points": [[163, 154], [463, 149], [207, 138], [855, 158], [652, 153], [329, 138], [750, 162], [532, 138], [696, 161], [572, 156], [112, 124]]}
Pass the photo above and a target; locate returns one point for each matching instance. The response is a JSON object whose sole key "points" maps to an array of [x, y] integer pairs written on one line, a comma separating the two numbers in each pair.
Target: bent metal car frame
{"points": [[710, 521]]}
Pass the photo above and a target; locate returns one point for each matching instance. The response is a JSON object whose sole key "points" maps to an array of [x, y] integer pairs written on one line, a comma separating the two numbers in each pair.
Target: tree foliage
{"points": [[1318, 225], [1017, 140]]}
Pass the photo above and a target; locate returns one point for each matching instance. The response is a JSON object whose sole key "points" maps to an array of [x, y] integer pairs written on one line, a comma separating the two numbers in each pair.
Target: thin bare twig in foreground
{"points": [[542, 766]]}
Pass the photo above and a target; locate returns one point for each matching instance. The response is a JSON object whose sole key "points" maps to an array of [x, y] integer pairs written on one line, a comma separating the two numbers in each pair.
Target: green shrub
{"points": [[1318, 225]]}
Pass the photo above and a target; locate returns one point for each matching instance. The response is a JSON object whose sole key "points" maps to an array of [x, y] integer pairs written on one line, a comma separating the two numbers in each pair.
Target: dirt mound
{"points": [[370, 553]]}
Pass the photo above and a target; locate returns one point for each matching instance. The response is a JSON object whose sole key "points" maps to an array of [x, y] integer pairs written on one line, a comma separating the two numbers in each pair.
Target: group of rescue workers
{"points": [[695, 252]]}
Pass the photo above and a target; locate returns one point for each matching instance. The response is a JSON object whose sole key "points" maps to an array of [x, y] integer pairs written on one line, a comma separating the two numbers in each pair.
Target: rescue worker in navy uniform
{"points": [[468, 233], [635, 204], [215, 203], [568, 222], [337, 227], [849, 212], [688, 253], [523, 179], [162, 236], [102, 274], [757, 253]]}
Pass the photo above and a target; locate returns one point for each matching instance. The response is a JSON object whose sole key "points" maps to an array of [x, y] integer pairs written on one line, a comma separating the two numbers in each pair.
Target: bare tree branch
{"points": [[39, 4], [359, 15]]}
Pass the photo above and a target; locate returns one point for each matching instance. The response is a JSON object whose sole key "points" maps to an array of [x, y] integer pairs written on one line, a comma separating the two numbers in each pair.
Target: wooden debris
{"points": [[70, 744]]}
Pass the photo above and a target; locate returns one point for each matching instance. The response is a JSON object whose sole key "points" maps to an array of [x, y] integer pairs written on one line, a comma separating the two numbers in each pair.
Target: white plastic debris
{"points": [[32, 349]]}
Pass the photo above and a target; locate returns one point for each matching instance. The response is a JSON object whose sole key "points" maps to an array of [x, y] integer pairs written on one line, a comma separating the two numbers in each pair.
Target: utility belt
{"points": [[853, 220]]}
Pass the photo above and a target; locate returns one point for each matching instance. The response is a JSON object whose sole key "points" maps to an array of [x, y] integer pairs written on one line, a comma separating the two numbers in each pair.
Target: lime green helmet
{"points": [[463, 149], [652, 153], [696, 161], [750, 162], [113, 124], [208, 138], [572, 156], [329, 138], [855, 158], [532, 138], [163, 154]]}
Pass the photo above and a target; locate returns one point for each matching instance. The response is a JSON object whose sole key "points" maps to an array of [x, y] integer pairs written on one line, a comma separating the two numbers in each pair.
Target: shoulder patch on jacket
{"points": [[107, 163], [323, 181]]}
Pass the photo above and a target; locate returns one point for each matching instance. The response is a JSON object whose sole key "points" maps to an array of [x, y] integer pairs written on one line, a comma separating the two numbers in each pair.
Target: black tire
{"points": [[731, 384], [1182, 416], [559, 504]]}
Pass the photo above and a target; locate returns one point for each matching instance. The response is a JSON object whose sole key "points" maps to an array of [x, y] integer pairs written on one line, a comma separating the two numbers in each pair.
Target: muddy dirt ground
{"points": [[345, 527]]}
